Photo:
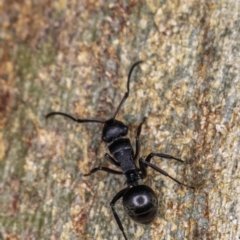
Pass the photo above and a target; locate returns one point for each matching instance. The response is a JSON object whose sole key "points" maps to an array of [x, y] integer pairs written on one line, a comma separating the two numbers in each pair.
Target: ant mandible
{"points": [[139, 201]]}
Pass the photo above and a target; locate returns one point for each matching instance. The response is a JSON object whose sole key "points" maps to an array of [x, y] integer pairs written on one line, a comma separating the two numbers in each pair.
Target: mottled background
{"points": [[74, 56]]}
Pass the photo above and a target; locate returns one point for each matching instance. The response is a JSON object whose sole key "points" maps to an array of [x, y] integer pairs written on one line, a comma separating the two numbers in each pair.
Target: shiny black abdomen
{"points": [[141, 204]]}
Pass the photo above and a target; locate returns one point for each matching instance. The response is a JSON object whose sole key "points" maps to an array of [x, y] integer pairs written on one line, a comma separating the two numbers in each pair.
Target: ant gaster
{"points": [[139, 201]]}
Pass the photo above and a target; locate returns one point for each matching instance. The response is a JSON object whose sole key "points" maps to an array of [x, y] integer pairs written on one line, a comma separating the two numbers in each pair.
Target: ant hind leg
{"points": [[112, 204]]}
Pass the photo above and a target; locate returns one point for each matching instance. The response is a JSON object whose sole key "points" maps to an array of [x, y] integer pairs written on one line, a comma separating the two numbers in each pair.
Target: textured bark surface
{"points": [[74, 56]]}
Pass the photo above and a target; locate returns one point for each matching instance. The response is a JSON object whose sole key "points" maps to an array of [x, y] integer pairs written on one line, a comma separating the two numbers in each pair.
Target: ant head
{"points": [[113, 129], [141, 204]]}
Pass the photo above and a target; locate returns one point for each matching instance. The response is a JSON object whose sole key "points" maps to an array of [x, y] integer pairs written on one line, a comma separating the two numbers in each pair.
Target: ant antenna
{"points": [[72, 118], [128, 89], [95, 120]]}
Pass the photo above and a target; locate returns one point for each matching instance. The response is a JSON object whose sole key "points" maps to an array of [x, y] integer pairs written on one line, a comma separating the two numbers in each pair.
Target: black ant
{"points": [[139, 201]]}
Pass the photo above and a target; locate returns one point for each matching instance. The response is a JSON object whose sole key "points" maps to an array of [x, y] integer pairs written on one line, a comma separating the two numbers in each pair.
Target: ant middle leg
{"points": [[162, 155], [112, 160], [143, 164], [105, 169]]}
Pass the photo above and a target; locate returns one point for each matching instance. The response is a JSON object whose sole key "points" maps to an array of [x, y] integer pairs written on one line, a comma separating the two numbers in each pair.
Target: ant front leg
{"points": [[112, 204], [139, 129]]}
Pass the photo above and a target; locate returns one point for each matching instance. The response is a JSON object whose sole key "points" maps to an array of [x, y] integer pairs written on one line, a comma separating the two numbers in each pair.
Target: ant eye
{"points": [[106, 139]]}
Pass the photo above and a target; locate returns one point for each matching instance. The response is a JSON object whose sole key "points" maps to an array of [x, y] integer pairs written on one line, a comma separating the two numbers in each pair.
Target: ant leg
{"points": [[112, 204], [144, 164], [139, 129], [126, 93], [105, 169], [72, 118], [143, 168], [162, 155], [112, 160]]}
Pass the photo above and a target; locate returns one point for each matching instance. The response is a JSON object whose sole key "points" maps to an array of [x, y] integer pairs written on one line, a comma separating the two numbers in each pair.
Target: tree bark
{"points": [[74, 57]]}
